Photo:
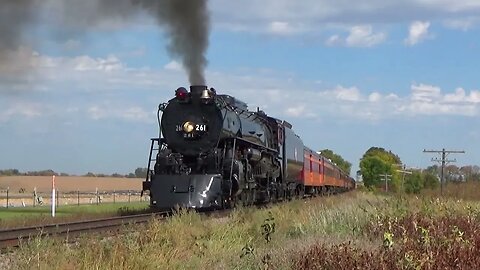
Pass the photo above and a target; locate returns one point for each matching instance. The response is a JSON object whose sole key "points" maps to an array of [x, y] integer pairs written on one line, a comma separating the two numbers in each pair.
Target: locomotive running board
{"points": [[256, 144]]}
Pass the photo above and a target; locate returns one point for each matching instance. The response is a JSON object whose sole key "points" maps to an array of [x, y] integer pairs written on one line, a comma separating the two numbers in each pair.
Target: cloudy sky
{"points": [[81, 95]]}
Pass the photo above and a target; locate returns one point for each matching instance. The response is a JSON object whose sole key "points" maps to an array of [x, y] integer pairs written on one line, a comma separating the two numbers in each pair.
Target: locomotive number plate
{"points": [[189, 127], [201, 127]]}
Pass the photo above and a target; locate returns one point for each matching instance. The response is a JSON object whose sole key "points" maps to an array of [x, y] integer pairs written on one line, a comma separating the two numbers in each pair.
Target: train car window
{"points": [[311, 167]]}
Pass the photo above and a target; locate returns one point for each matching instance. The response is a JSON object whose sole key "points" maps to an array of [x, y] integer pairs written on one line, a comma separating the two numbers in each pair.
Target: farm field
{"points": [[358, 229], [70, 190], [77, 198], [68, 183]]}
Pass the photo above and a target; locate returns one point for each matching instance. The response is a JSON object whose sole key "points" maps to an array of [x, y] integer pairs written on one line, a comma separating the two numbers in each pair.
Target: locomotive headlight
{"points": [[188, 127]]}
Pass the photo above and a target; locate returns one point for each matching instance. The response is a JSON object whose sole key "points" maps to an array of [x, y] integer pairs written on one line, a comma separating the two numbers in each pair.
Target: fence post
{"points": [[34, 196], [8, 189], [57, 198], [113, 196], [78, 197], [129, 193], [96, 191]]}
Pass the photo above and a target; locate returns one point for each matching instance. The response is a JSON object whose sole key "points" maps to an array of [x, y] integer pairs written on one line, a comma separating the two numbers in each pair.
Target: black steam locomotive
{"points": [[214, 153]]}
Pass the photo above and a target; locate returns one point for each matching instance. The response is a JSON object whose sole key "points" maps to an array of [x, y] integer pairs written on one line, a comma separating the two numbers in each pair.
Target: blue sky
{"points": [[402, 75]]}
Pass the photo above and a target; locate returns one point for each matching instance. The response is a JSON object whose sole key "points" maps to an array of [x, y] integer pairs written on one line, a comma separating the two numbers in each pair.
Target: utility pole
{"points": [[443, 161], [386, 177], [403, 172]]}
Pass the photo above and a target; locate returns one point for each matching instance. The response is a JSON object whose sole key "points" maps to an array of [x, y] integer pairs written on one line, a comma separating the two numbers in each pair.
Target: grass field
{"points": [[126, 190], [30, 216], [356, 230]]}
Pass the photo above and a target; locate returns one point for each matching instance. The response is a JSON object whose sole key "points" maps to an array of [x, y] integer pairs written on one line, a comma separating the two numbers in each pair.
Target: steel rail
{"points": [[13, 237]]}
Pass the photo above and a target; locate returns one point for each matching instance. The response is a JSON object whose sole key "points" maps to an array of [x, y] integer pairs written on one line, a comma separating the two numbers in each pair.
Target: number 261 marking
{"points": [[202, 127]]}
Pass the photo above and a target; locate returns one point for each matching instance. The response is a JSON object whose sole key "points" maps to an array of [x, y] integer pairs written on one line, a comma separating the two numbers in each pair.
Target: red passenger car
{"points": [[319, 175]]}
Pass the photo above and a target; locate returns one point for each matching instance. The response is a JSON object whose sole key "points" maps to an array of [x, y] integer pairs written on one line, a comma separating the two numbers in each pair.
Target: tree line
{"points": [[138, 173], [375, 165], [378, 164]]}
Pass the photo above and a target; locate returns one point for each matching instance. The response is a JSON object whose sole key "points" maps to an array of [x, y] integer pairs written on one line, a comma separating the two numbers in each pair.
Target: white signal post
{"points": [[53, 196]]}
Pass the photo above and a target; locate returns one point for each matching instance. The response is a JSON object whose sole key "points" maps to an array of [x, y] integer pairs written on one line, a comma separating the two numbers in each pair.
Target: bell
{"points": [[205, 95]]}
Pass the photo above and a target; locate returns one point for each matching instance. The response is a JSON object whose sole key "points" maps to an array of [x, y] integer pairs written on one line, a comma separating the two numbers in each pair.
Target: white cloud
{"points": [[109, 111], [425, 92], [86, 63], [334, 40], [174, 66], [422, 108], [352, 103], [22, 109], [285, 96], [283, 28], [418, 32], [27, 59], [429, 100], [295, 111], [347, 94], [374, 97], [463, 24], [460, 96], [136, 113], [359, 36], [315, 15], [363, 36]]}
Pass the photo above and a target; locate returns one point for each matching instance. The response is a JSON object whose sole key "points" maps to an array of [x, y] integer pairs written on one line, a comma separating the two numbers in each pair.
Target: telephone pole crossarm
{"points": [[443, 160], [387, 178]]}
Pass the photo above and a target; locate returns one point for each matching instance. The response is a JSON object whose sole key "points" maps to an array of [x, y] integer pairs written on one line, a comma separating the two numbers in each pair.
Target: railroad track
{"points": [[12, 237]]}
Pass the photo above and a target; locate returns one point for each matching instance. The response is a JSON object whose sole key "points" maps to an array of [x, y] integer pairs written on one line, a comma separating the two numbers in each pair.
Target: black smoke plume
{"points": [[15, 17], [186, 23]]}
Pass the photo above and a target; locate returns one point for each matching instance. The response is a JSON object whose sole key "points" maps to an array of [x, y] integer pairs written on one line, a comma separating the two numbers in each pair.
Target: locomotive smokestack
{"points": [[197, 89]]}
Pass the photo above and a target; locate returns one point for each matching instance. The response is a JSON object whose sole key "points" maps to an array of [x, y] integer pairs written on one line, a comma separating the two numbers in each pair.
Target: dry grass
{"points": [[352, 231], [190, 241], [411, 242], [464, 191]]}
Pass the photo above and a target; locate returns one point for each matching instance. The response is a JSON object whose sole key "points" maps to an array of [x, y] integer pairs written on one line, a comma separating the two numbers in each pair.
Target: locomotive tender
{"points": [[215, 153]]}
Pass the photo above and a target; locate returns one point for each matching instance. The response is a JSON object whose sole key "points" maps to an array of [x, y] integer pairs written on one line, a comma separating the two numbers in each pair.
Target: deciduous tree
{"points": [[337, 159], [414, 182], [377, 162]]}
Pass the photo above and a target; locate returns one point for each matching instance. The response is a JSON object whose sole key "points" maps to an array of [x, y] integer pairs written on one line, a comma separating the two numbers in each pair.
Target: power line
{"points": [[443, 161]]}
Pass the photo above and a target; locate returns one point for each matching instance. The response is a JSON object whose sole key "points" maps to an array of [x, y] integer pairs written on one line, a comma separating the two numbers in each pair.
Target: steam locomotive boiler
{"points": [[214, 153]]}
